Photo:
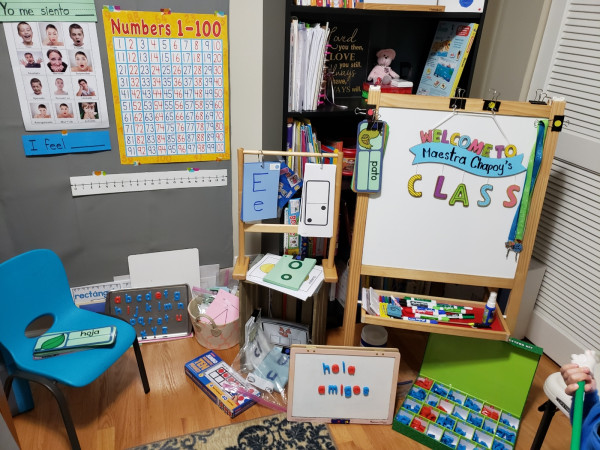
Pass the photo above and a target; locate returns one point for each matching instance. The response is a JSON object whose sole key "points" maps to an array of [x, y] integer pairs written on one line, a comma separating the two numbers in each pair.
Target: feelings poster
{"points": [[58, 75]]}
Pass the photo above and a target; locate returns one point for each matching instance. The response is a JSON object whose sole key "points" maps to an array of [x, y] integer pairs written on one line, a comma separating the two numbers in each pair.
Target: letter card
{"points": [[259, 195]]}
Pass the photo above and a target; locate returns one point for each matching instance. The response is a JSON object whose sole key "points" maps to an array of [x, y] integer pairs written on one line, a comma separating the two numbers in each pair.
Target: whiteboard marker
{"points": [[415, 319]]}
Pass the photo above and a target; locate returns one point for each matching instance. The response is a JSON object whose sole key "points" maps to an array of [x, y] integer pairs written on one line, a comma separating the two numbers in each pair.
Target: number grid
{"points": [[171, 96]]}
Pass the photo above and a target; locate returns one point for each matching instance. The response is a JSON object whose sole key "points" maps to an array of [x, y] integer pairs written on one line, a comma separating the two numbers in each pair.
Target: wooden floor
{"points": [[114, 413]]}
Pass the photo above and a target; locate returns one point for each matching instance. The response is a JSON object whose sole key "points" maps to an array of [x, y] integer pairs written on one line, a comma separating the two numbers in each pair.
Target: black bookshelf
{"points": [[409, 33]]}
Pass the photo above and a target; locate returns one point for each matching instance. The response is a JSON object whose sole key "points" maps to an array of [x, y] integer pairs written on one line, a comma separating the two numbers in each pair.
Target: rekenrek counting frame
{"points": [[470, 393], [342, 384]]}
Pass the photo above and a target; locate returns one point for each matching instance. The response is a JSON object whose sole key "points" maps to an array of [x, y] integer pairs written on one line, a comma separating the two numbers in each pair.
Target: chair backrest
{"points": [[32, 285]]}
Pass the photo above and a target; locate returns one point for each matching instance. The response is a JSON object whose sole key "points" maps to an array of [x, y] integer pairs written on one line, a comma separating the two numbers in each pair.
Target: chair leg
{"points": [[58, 395], [8, 385], [140, 363], [549, 409]]}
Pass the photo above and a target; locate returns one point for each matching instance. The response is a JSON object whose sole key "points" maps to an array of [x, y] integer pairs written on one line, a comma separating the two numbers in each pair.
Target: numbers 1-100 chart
{"points": [[171, 95]]}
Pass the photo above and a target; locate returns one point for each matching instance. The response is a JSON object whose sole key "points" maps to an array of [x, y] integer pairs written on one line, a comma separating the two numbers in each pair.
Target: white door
{"points": [[566, 317]]}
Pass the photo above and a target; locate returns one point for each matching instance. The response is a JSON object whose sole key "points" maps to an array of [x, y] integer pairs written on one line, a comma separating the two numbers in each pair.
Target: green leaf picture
{"points": [[54, 342]]}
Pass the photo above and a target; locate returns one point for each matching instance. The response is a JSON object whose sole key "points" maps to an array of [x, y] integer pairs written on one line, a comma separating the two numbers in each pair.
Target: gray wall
{"points": [[94, 235]]}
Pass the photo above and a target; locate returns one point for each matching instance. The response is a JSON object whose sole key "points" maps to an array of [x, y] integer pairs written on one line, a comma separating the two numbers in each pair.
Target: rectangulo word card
{"points": [[169, 75]]}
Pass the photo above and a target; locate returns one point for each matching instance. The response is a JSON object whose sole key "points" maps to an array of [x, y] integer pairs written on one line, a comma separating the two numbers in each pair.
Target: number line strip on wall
{"points": [[146, 181]]}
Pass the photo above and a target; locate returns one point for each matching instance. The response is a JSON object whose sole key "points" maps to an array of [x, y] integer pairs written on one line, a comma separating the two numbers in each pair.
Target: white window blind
{"points": [[566, 317], [575, 74]]}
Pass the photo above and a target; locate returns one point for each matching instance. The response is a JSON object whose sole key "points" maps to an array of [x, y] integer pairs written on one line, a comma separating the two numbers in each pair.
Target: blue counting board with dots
{"points": [[155, 313]]}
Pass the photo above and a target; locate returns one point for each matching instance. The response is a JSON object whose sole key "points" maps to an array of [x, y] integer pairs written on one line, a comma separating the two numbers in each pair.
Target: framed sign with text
{"points": [[169, 75]]}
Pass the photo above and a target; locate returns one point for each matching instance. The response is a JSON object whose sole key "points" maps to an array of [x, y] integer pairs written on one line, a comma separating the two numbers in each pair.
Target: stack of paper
{"points": [[308, 44]]}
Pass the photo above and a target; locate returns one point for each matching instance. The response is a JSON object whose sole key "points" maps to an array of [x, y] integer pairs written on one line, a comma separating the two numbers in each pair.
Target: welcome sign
{"points": [[453, 183]]}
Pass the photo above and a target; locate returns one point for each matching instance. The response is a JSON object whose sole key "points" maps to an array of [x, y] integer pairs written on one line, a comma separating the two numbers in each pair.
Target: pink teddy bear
{"points": [[382, 72]]}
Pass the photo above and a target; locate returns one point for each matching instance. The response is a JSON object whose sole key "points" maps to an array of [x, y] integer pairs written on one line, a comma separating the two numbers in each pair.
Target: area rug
{"points": [[272, 432]]}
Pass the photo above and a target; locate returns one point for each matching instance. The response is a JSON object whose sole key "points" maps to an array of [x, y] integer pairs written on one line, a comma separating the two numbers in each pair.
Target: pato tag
{"points": [[370, 146]]}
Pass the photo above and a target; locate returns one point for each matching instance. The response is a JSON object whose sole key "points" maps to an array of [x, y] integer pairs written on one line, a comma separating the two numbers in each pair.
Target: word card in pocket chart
{"points": [[170, 85]]}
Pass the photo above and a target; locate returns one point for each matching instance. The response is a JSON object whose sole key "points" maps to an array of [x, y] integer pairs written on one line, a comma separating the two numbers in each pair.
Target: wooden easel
{"points": [[554, 112], [250, 291]]}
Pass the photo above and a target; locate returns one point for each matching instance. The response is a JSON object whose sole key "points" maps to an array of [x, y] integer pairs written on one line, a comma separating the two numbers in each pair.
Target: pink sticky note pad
{"points": [[225, 308]]}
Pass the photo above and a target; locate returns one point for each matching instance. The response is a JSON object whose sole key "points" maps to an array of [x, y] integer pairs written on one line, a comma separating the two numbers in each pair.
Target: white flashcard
{"points": [[318, 195], [165, 268]]}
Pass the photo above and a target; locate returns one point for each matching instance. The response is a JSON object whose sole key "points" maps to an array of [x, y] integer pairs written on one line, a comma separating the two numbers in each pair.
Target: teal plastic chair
{"points": [[33, 285]]}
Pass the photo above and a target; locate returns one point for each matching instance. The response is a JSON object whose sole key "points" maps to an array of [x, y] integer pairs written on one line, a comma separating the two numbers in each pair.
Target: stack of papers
{"points": [[225, 308], [308, 44]]}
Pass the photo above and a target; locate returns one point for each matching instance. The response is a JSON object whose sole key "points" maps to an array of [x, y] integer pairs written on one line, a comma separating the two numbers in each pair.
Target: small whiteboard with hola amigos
{"points": [[342, 384]]}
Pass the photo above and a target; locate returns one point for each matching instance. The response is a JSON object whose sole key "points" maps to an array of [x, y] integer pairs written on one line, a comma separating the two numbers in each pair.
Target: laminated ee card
{"points": [[260, 190]]}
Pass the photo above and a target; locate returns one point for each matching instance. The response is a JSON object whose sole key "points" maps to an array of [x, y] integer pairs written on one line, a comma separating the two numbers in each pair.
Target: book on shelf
{"points": [[447, 58], [398, 86], [291, 241], [331, 146], [327, 3], [301, 137]]}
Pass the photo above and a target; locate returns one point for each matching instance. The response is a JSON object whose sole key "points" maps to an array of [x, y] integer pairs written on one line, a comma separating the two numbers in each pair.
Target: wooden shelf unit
{"points": [[241, 266], [250, 293]]}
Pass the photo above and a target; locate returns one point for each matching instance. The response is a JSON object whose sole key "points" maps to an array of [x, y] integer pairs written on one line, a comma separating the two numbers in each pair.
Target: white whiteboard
{"points": [[427, 233], [375, 370]]}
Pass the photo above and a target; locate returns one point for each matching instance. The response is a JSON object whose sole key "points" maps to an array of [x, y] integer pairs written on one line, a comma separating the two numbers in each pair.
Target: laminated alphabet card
{"points": [[259, 195]]}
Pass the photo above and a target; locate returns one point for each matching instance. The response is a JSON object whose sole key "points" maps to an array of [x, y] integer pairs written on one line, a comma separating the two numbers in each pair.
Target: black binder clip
{"points": [[492, 105], [539, 98], [370, 113], [458, 102]]}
